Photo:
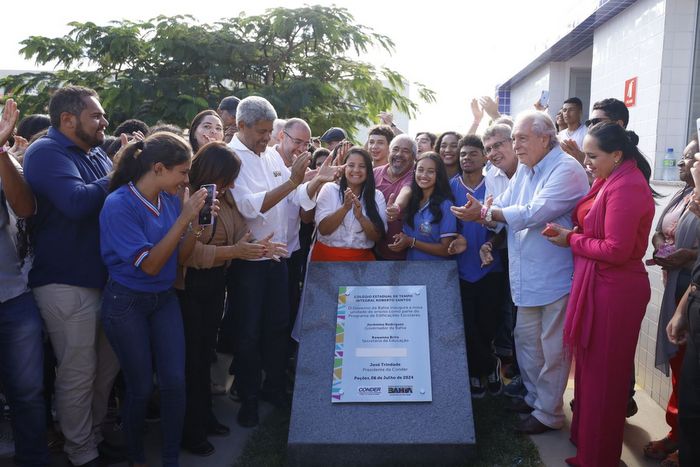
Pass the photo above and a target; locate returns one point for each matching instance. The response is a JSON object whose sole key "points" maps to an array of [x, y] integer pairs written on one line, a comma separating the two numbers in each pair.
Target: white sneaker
{"points": [[477, 388]]}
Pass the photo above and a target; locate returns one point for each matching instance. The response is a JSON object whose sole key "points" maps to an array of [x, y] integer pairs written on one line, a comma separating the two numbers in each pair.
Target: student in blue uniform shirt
{"points": [[429, 225], [143, 229], [481, 284]]}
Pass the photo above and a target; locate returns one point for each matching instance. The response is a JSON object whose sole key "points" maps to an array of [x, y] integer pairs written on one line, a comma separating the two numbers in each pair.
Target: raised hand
{"points": [[341, 152], [299, 167], [386, 118], [477, 111], [10, 115], [490, 106], [328, 172]]}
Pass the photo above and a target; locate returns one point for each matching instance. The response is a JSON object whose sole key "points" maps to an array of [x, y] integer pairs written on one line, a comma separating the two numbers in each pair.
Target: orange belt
{"points": [[322, 252]]}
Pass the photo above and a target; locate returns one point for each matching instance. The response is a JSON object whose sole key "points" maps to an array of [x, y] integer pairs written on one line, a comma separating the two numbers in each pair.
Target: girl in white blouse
{"points": [[350, 215]]}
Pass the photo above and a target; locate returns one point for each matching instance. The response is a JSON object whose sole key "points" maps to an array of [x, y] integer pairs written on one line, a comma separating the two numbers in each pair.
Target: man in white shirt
{"points": [[498, 147], [545, 188], [263, 191], [571, 137], [294, 141]]}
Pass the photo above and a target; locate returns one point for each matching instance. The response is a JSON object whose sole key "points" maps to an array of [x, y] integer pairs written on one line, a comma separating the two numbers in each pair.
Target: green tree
{"points": [[170, 68]]}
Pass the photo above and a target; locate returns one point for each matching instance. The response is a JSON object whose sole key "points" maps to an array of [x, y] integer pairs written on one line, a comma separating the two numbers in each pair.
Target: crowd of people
{"points": [[133, 261]]}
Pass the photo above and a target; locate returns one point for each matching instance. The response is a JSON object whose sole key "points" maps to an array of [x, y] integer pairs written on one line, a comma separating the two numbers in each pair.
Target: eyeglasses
{"points": [[496, 146], [594, 121], [297, 141]]}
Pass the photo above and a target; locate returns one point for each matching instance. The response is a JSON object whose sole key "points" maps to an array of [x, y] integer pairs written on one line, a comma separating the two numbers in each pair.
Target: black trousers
{"points": [[689, 389], [202, 304], [482, 309], [261, 325]]}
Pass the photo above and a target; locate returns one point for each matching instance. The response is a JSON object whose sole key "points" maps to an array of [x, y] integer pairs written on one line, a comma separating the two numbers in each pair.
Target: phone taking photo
{"points": [[544, 98], [205, 217]]}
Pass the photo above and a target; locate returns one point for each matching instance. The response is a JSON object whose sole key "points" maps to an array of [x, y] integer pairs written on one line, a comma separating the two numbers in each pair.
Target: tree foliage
{"points": [[170, 68]]}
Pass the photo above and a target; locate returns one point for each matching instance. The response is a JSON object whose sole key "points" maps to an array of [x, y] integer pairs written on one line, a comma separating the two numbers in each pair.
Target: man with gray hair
{"points": [[546, 187], [389, 179], [264, 191], [277, 129]]}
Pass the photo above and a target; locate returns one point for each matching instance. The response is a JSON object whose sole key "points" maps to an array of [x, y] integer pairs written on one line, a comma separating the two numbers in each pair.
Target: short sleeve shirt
{"points": [[425, 230], [130, 226], [349, 233]]}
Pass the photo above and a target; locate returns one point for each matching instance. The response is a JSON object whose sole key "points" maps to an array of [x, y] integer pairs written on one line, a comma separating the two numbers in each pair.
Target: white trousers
{"points": [[544, 365]]}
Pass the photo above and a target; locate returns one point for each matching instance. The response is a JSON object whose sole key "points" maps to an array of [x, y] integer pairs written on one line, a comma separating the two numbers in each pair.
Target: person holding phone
{"points": [[144, 229], [201, 286]]}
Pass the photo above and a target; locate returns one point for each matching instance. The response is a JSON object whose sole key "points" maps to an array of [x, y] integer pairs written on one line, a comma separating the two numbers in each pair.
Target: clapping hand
{"points": [[356, 207], [486, 255], [273, 250], [458, 245], [471, 211], [401, 242], [248, 249], [341, 152]]}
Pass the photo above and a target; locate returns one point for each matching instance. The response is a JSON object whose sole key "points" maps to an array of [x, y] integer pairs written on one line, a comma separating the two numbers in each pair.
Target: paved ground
{"points": [[554, 447]]}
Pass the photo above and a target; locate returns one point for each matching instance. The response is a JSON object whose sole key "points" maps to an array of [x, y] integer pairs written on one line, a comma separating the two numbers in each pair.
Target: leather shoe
{"points": [[93, 463], [532, 426], [520, 406], [248, 413], [203, 449], [279, 399], [111, 453], [218, 429]]}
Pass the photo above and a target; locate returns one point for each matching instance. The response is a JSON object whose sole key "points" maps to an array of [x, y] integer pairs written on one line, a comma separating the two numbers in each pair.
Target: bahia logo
{"points": [[400, 390], [369, 390]]}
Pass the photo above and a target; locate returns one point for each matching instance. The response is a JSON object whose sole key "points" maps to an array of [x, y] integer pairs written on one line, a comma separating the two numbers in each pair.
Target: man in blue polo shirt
{"points": [[481, 286], [68, 174]]}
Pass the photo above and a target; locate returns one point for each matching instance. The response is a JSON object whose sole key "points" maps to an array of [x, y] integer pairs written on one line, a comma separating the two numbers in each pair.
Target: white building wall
{"points": [[654, 41], [524, 94]]}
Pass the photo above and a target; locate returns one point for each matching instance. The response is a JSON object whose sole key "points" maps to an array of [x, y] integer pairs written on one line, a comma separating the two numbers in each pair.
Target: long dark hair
{"points": [[368, 188], [195, 123], [214, 162], [612, 137], [441, 191], [137, 158]]}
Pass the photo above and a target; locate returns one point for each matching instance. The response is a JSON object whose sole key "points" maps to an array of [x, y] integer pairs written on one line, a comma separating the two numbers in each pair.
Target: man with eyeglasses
{"points": [[571, 137], [425, 142], [498, 147]]}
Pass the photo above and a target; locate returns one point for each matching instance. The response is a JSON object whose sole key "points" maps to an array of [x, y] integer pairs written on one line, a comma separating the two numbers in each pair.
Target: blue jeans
{"points": [[144, 328], [21, 371]]}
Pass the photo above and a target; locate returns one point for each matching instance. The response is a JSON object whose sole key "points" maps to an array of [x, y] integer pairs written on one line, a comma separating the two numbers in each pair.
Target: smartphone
{"points": [[550, 231], [697, 126], [544, 98], [205, 217]]}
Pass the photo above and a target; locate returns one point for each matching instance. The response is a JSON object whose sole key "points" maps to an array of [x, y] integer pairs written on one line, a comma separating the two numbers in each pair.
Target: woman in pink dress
{"points": [[610, 290]]}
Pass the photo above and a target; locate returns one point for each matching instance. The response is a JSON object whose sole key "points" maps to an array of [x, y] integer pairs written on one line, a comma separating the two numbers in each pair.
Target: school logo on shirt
{"points": [[276, 173], [425, 227]]}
